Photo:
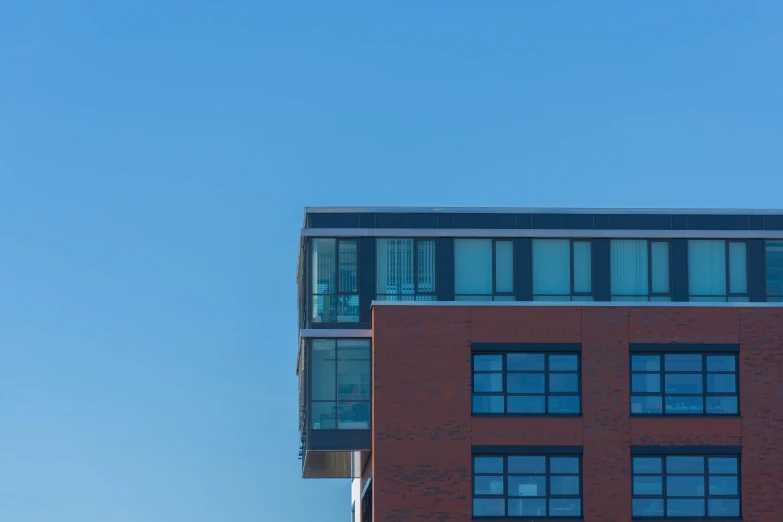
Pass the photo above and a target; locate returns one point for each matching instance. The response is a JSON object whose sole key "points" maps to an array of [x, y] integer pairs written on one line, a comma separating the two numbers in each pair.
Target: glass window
{"points": [[562, 270], [340, 384], [483, 270], [405, 269], [684, 384], [717, 270], [334, 280], [774, 270], [639, 270], [527, 486], [526, 383], [686, 486]]}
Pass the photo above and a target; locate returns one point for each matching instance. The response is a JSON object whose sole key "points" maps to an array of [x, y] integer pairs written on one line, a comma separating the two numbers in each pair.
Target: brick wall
{"points": [[423, 429]]}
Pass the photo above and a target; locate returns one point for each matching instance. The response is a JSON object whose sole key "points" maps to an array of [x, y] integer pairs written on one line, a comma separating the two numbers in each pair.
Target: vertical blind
{"points": [[399, 275], [629, 268], [551, 267], [473, 266], [707, 269], [504, 266]]}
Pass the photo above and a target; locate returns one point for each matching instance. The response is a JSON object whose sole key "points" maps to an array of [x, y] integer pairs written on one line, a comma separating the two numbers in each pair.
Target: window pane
{"points": [[738, 271], [348, 265], [353, 370], [525, 404], [324, 370], [324, 279], [426, 279], [646, 382], [647, 465], [527, 464], [504, 266], [526, 486], [565, 485], [525, 382], [659, 254], [721, 382], [356, 415], [563, 404], [488, 404], [473, 266], [563, 382], [685, 486], [707, 267], [324, 415], [685, 464], [643, 404], [488, 363], [721, 363], [774, 268], [648, 507], [726, 485], [487, 382], [722, 465], [685, 507], [564, 465], [722, 405], [683, 362], [683, 383], [565, 507], [643, 485], [723, 507], [558, 363], [551, 267], [646, 363], [526, 508], [684, 405], [488, 464], [629, 267], [489, 507], [488, 485], [525, 361], [583, 271]]}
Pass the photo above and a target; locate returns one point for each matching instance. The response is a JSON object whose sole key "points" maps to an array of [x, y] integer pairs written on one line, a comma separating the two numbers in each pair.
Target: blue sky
{"points": [[155, 158]]}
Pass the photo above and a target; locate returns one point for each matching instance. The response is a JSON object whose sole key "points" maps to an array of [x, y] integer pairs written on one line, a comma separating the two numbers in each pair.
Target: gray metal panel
{"points": [[579, 304], [323, 333], [541, 233], [544, 210]]}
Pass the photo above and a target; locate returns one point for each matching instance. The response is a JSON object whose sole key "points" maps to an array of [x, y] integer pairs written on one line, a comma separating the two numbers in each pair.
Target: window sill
{"points": [[685, 416], [528, 415], [689, 519], [528, 519]]}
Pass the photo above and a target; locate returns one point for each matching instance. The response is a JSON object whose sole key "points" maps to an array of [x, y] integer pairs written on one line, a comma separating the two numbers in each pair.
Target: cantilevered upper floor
{"points": [[350, 257]]}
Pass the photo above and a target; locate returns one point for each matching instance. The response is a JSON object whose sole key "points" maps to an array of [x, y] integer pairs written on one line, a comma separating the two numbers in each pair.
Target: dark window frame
{"points": [[337, 294], [704, 373], [547, 477], [573, 293], [664, 474], [512, 294], [431, 295], [336, 401], [546, 394], [737, 296], [650, 293]]}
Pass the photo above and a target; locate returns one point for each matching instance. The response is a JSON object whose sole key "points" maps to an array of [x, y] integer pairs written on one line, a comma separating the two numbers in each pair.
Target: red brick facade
{"points": [[423, 429]]}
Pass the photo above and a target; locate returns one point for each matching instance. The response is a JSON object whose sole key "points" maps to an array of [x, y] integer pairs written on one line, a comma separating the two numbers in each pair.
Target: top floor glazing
{"points": [[350, 257]]}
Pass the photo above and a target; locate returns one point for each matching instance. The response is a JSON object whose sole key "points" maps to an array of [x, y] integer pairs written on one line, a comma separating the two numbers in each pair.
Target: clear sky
{"points": [[155, 159]]}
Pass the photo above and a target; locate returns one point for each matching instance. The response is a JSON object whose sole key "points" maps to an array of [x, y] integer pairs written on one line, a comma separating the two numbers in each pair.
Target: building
{"points": [[511, 364]]}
